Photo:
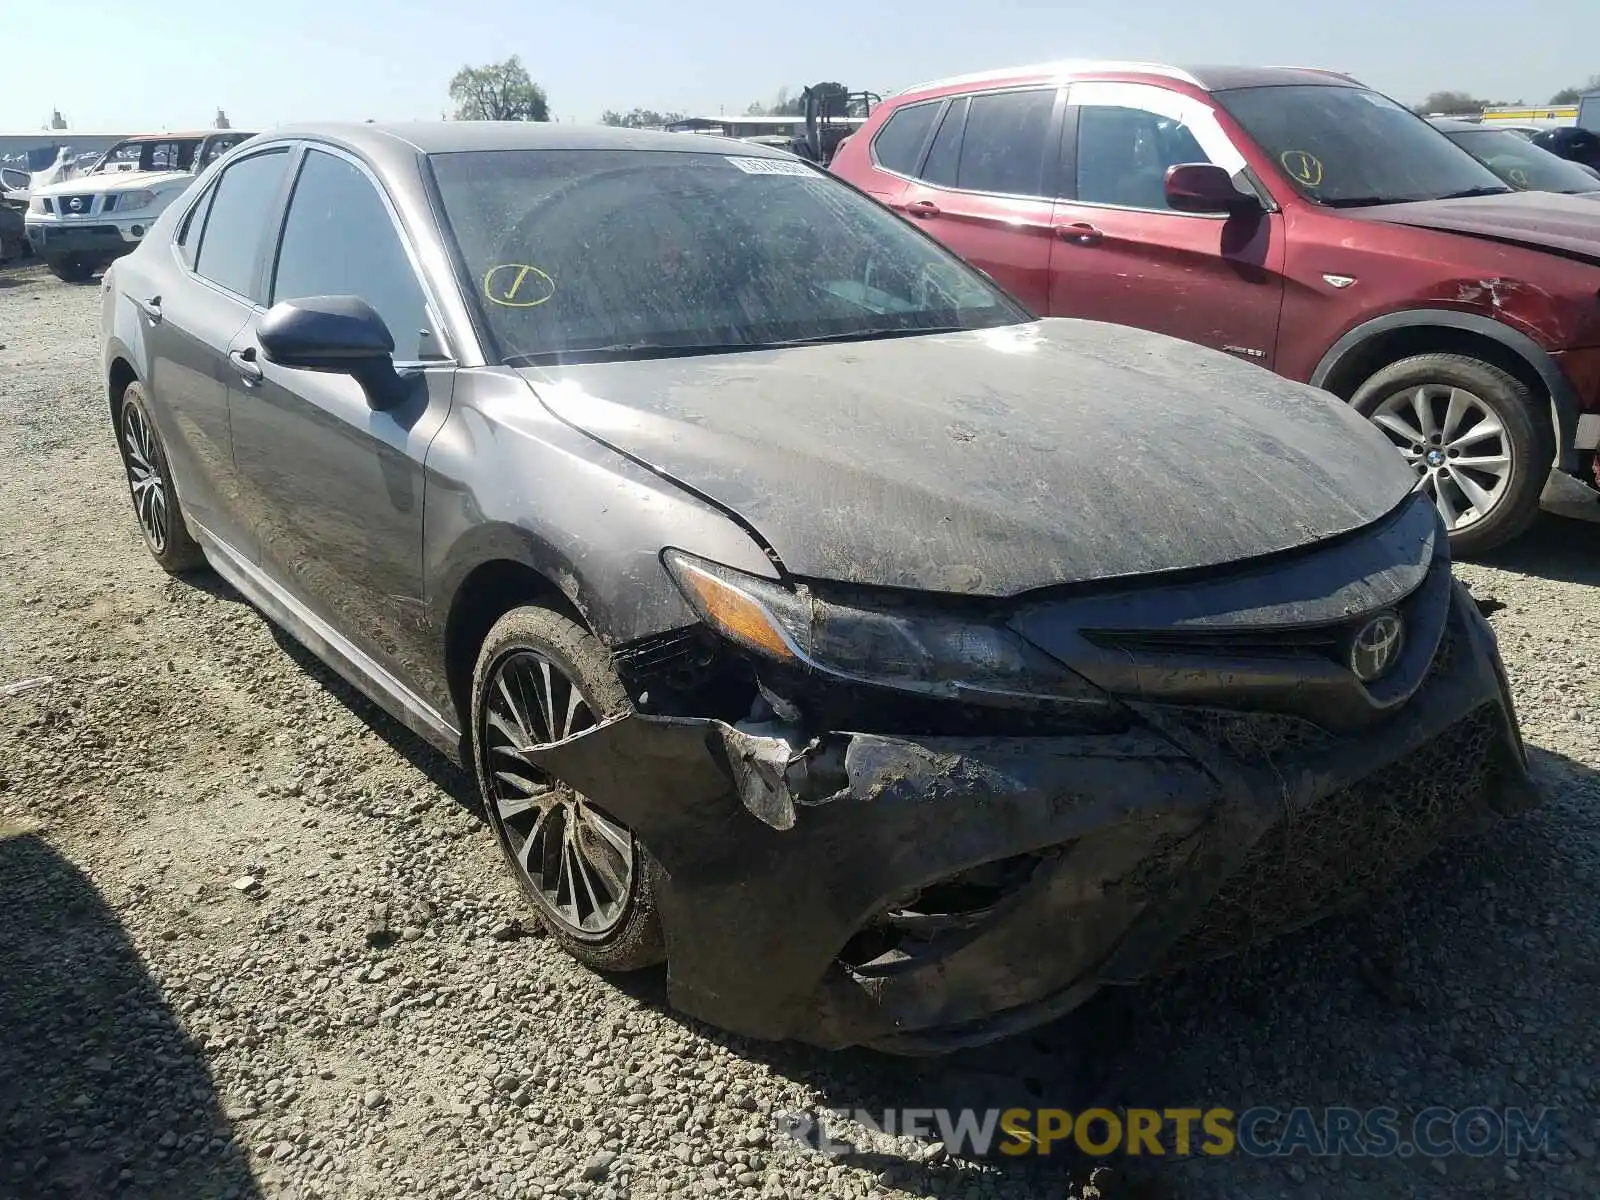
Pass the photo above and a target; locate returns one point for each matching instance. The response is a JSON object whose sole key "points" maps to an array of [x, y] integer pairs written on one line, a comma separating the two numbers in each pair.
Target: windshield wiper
{"points": [[1477, 191], [629, 351], [1365, 201]]}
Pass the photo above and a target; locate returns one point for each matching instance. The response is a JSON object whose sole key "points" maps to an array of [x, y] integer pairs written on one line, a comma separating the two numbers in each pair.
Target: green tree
{"points": [[1571, 95], [639, 118], [498, 92], [1451, 102]]}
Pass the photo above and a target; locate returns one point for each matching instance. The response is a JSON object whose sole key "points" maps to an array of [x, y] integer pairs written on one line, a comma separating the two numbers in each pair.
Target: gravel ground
{"points": [[256, 940]]}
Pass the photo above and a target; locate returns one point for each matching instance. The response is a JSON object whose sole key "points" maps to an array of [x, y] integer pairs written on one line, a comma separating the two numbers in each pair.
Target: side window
{"points": [[1004, 147], [243, 199], [193, 223], [1123, 155], [944, 156], [898, 146], [339, 240]]}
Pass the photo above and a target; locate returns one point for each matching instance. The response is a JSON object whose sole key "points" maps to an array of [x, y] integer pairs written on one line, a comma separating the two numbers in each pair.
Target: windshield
{"points": [[575, 254], [173, 154], [1345, 146], [1522, 164], [215, 147]]}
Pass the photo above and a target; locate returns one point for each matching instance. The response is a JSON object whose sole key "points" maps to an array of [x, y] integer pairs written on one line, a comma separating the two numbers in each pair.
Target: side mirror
{"points": [[1206, 188], [338, 334]]}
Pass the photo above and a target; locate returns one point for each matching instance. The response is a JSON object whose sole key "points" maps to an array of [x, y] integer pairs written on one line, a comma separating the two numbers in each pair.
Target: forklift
{"points": [[832, 113]]}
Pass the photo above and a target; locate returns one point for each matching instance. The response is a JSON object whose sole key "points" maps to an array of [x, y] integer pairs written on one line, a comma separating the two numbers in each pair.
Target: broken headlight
{"points": [[913, 649]]}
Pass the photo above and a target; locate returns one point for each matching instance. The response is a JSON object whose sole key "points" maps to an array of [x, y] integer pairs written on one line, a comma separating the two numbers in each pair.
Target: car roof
{"points": [[1208, 78], [447, 137], [176, 133], [1451, 125]]}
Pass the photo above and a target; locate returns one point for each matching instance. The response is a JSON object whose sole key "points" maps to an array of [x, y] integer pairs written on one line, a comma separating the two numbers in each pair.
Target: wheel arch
{"points": [[1383, 340], [483, 593], [120, 373]]}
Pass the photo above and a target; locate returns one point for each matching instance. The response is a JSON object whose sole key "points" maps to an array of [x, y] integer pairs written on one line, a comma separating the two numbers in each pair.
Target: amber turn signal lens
{"points": [[735, 614]]}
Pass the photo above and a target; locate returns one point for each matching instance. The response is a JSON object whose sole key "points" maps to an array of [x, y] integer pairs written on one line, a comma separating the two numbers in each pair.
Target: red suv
{"points": [[1291, 217]]}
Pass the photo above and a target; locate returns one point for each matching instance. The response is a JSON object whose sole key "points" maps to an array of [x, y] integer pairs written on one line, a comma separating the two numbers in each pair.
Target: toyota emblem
{"points": [[1376, 647]]}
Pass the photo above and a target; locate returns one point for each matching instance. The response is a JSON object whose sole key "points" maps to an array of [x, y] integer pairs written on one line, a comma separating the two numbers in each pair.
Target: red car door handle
{"points": [[1081, 232], [922, 208]]}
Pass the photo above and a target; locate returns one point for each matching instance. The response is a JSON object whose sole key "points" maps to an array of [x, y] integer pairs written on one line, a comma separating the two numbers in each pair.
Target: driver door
{"points": [[1120, 254], [333, 487]]}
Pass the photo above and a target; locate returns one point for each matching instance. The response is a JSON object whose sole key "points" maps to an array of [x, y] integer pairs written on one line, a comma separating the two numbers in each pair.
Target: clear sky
{"points": [[120, 64]]}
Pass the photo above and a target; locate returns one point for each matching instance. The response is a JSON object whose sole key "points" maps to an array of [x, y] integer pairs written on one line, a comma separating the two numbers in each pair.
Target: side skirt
{"points": [[355, 666]]}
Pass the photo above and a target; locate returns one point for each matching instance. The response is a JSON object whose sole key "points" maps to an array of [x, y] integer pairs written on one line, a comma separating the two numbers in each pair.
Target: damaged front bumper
{"points": [[920, 894]]}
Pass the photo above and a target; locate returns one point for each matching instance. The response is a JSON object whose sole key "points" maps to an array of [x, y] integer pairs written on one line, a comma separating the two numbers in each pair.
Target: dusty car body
{"points": [[853, 642]]}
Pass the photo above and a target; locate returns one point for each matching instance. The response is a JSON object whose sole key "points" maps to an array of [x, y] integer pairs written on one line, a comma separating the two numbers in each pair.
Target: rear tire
{"points": [[532, 663], [70, 268], [1475, 432], [155, 500]]}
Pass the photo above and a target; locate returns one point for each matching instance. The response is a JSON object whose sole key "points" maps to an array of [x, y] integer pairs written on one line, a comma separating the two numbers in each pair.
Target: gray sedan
{"points": [[896, 667]]}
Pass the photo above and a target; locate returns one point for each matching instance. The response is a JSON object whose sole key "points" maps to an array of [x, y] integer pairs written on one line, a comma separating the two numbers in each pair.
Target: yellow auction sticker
{"points": [[1307, 168], [517, 285]]}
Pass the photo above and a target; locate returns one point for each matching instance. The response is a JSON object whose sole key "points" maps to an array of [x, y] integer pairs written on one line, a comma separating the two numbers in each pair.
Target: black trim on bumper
{"points": [[772, 862], [100, 241]]}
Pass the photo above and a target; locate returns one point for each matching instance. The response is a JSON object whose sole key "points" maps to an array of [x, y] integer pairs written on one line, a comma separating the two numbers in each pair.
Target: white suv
{"points": [[80, 225]]}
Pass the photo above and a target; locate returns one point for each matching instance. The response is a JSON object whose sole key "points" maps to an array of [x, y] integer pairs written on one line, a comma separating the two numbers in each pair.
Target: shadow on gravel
{"points": [[1555, 548], [101, 1091]]}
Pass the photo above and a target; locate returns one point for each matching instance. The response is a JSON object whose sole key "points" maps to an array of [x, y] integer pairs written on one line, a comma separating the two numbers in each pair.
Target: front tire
{"points": [[70, 268], [540, 678], [1471, 432], [155, 500]]}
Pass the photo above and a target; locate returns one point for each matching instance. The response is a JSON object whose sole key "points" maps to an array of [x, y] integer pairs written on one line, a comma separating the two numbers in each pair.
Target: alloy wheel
{"points": [[144, 479], [578, 862], [1455, 443]]}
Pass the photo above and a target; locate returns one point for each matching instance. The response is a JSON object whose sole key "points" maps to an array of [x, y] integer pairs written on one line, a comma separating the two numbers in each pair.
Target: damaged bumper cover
{"points": [[920, 894]]}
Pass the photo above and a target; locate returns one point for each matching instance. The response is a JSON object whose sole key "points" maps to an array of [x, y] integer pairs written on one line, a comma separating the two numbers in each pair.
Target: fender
{"points": [[1563, 398]]}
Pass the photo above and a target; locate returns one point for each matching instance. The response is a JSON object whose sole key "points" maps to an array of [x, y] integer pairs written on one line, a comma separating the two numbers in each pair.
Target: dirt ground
{"points": [[256, 941]]}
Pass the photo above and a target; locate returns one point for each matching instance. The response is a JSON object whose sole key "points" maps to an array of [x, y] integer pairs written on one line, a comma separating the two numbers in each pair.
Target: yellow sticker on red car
{"points": [[1307, 168]]}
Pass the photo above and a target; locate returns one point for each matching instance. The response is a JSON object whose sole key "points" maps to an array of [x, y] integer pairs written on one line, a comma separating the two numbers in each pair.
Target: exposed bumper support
{"points": [[773, 856]]}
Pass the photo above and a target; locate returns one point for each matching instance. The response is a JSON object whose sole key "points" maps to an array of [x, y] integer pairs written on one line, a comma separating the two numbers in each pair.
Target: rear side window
{"points": [[339, 240], [189, 233], [944, 156], [898, 146], [1004, 146], [244, 197]]}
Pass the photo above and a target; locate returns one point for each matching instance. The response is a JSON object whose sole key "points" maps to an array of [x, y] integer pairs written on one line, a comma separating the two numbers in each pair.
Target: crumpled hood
{"points": [[993, 462], [1542, 220], [113, 181]]}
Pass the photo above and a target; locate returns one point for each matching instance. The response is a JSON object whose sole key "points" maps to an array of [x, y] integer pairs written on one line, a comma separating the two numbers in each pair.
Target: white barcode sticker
{"points": [[771, 166]]}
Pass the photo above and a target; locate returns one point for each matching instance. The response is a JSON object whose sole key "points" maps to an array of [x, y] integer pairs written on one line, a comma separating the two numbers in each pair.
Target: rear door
{"points": [[985, 184], [189, 323], [1121, 255], [335, 487], [895, 153]]}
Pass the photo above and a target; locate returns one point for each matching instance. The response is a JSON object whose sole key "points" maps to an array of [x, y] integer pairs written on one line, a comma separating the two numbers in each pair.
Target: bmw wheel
{"points": [[541, 678], [155, 501], [1469, 431]]}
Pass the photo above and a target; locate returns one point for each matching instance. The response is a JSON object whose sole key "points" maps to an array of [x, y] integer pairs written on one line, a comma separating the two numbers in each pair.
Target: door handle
{"points": [[1081, 232], [244, 362], [151, 308], [922, 208]]}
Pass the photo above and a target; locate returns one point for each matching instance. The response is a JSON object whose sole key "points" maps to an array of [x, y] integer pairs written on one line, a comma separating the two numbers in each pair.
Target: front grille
{"points": [[85, 205], [1321, 641], [1351, 844]]}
